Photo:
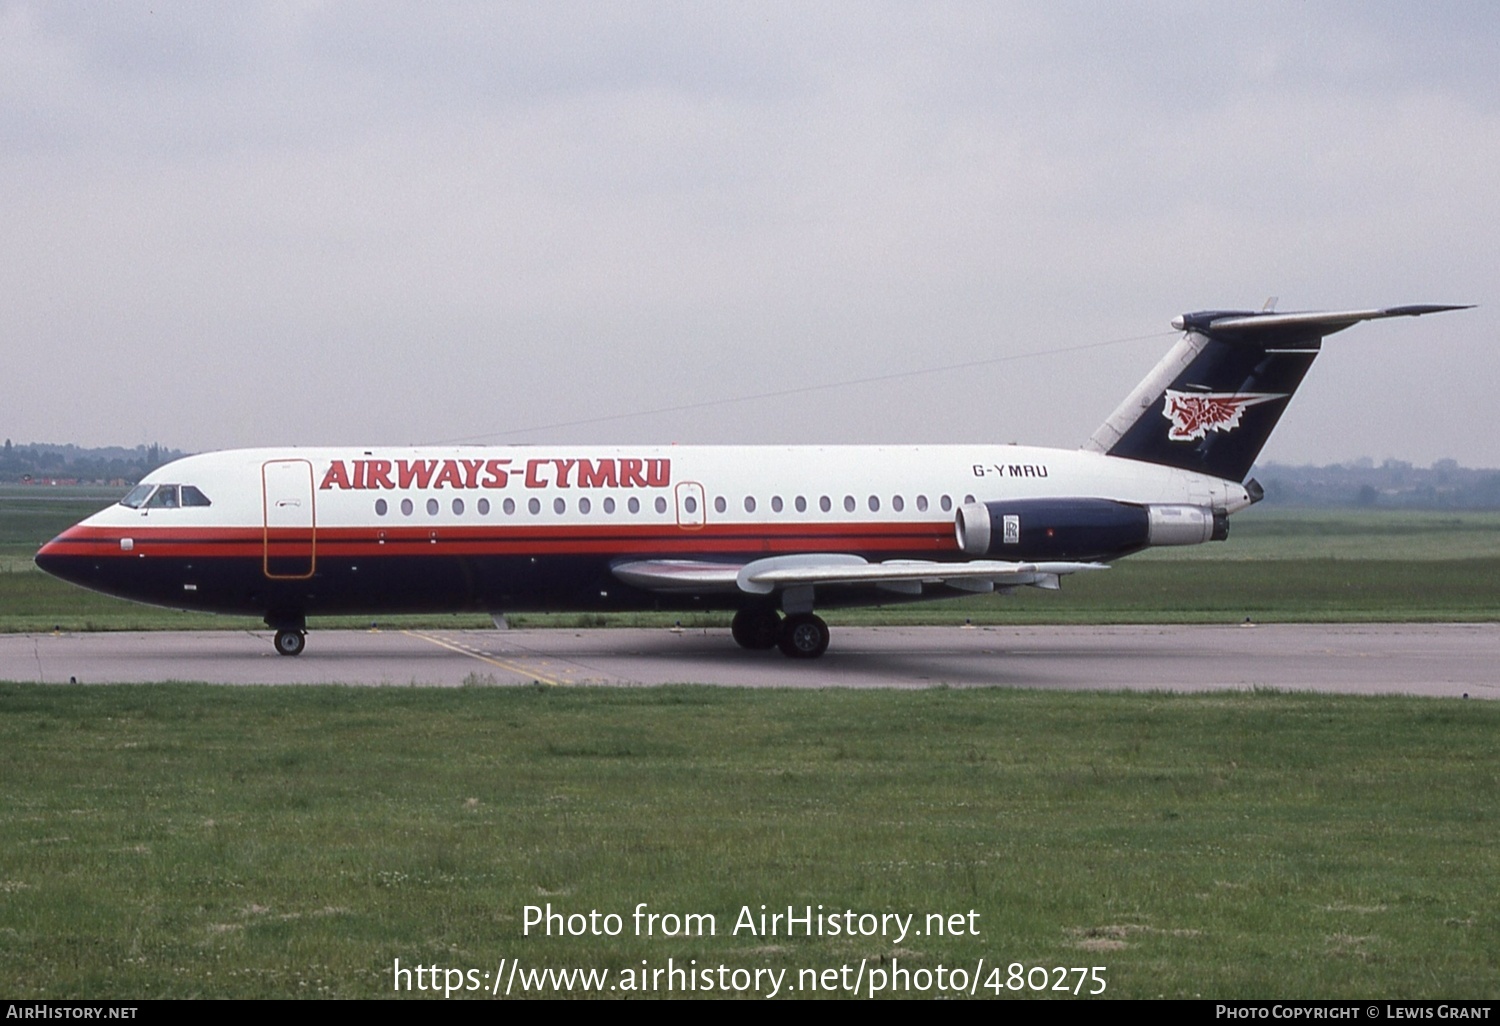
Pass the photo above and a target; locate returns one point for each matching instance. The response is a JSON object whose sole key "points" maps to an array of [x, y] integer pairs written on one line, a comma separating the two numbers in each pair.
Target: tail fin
{"points": [[1212, 401]]}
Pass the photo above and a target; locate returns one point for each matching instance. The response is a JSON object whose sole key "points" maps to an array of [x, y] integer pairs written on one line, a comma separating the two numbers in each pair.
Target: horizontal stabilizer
{"points": [[1315, 322]]}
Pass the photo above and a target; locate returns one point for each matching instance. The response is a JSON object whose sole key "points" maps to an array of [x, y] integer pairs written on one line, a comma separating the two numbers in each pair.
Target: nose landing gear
{"points": [[290, 643], [291, 632]]}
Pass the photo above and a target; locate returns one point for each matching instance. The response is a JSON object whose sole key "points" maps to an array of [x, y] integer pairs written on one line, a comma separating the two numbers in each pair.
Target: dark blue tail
{"points": [[1212, 402]]}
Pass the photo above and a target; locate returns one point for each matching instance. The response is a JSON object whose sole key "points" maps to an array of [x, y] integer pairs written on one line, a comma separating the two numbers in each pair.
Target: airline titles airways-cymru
{"points": [[768, 533], [421, 474]]}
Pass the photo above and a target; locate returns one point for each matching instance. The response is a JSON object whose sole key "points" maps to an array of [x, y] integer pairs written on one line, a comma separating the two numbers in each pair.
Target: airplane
{"points": [[769, 533]]}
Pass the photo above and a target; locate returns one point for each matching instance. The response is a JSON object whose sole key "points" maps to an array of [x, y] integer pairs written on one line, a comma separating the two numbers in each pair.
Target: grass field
{"points": [[185, 840], [180, 840], [1279, 565]]}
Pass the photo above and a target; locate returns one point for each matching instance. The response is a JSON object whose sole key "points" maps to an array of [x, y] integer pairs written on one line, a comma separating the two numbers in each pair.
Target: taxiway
{"points": [[1420, 659]]}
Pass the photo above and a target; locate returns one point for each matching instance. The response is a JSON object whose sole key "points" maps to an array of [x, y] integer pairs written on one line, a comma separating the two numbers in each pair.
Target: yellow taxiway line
{"points": [[508, 667]]}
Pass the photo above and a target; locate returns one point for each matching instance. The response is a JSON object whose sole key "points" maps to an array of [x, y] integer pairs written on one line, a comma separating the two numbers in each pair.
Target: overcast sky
{"points": [[296, 224]]}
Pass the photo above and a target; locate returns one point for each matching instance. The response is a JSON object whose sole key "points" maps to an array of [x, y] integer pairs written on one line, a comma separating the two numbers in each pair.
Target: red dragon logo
{"points": [[1195, 414]]}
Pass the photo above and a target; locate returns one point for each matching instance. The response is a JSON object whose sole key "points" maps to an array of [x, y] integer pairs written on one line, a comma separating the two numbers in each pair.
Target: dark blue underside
{"points": [[413, 584], [418, 584], [407, 584]]}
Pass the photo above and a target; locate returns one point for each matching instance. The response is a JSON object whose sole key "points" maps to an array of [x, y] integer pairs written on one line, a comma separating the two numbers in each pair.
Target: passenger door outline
{"points": [[289, 550]]}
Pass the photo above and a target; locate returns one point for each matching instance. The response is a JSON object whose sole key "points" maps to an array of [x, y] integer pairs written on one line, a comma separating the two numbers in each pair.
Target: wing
{"points": [[777, 573]]}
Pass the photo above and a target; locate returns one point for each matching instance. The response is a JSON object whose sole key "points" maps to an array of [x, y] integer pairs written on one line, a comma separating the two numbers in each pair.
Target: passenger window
{"points": [[634, 504], [406, 507], [801, 504], [968, 498], [825, 504], [380, 507], [458, 507], [191, 496], [559, 505], [719, 504], [775, 504], [534, 506], [432, 507], [897, 503], [947, 504], [874, 504], [848, 504], [921, 504], [661, 504], [509, 506], [690, 504], [484, 507], [609, 504], [584, 505], [749, 504]]}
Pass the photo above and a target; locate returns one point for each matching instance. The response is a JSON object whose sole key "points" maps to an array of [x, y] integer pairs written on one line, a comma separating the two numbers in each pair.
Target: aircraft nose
{"points": [[49, 558], [55, 559]]}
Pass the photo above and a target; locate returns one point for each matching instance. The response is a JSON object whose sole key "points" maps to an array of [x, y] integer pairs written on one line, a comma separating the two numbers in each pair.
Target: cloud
{"points": [[353, 223]]}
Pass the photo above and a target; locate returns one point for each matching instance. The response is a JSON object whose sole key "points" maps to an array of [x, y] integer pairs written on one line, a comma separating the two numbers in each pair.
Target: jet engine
{"points": [[1080, 529]]}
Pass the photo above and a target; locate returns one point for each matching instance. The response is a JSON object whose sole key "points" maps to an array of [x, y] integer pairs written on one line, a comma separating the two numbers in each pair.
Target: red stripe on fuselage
{"points": [[483, 540]]}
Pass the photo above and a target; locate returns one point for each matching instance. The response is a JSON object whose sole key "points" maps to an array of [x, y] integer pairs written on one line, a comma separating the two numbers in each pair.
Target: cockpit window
{"points": [[136, 497], [167, 496]]}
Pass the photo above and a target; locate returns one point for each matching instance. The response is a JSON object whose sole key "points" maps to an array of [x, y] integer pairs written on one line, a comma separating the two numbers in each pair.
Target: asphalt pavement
{"points": [[1418, 659]]}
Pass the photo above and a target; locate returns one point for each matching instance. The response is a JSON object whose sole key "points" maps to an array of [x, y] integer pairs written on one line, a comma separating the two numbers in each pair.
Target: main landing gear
{"points": [[756, 629], [799, 636]]}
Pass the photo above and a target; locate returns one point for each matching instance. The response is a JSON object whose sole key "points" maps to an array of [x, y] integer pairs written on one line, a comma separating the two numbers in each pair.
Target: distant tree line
{"points": [[39, 461], [1394, 484]]}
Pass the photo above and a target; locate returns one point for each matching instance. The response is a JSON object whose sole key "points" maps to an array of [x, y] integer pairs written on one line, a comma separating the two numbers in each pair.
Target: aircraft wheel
{"points": [[803, 636], [756, 629], [290, 643]]}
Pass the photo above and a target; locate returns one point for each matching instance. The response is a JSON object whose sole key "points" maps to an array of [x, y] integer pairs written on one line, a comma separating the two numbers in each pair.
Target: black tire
{"points": [[756, 629], [290, 643], [803, 636]]}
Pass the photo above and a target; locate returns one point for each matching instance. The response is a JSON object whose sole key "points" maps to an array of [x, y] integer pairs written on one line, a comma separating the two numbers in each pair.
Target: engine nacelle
{"points": [[1186, 525], [1080, 529]]}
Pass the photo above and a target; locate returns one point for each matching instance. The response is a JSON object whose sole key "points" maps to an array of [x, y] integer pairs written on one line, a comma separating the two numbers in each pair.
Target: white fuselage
{"points": [[288, 533], [682, 487]]}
